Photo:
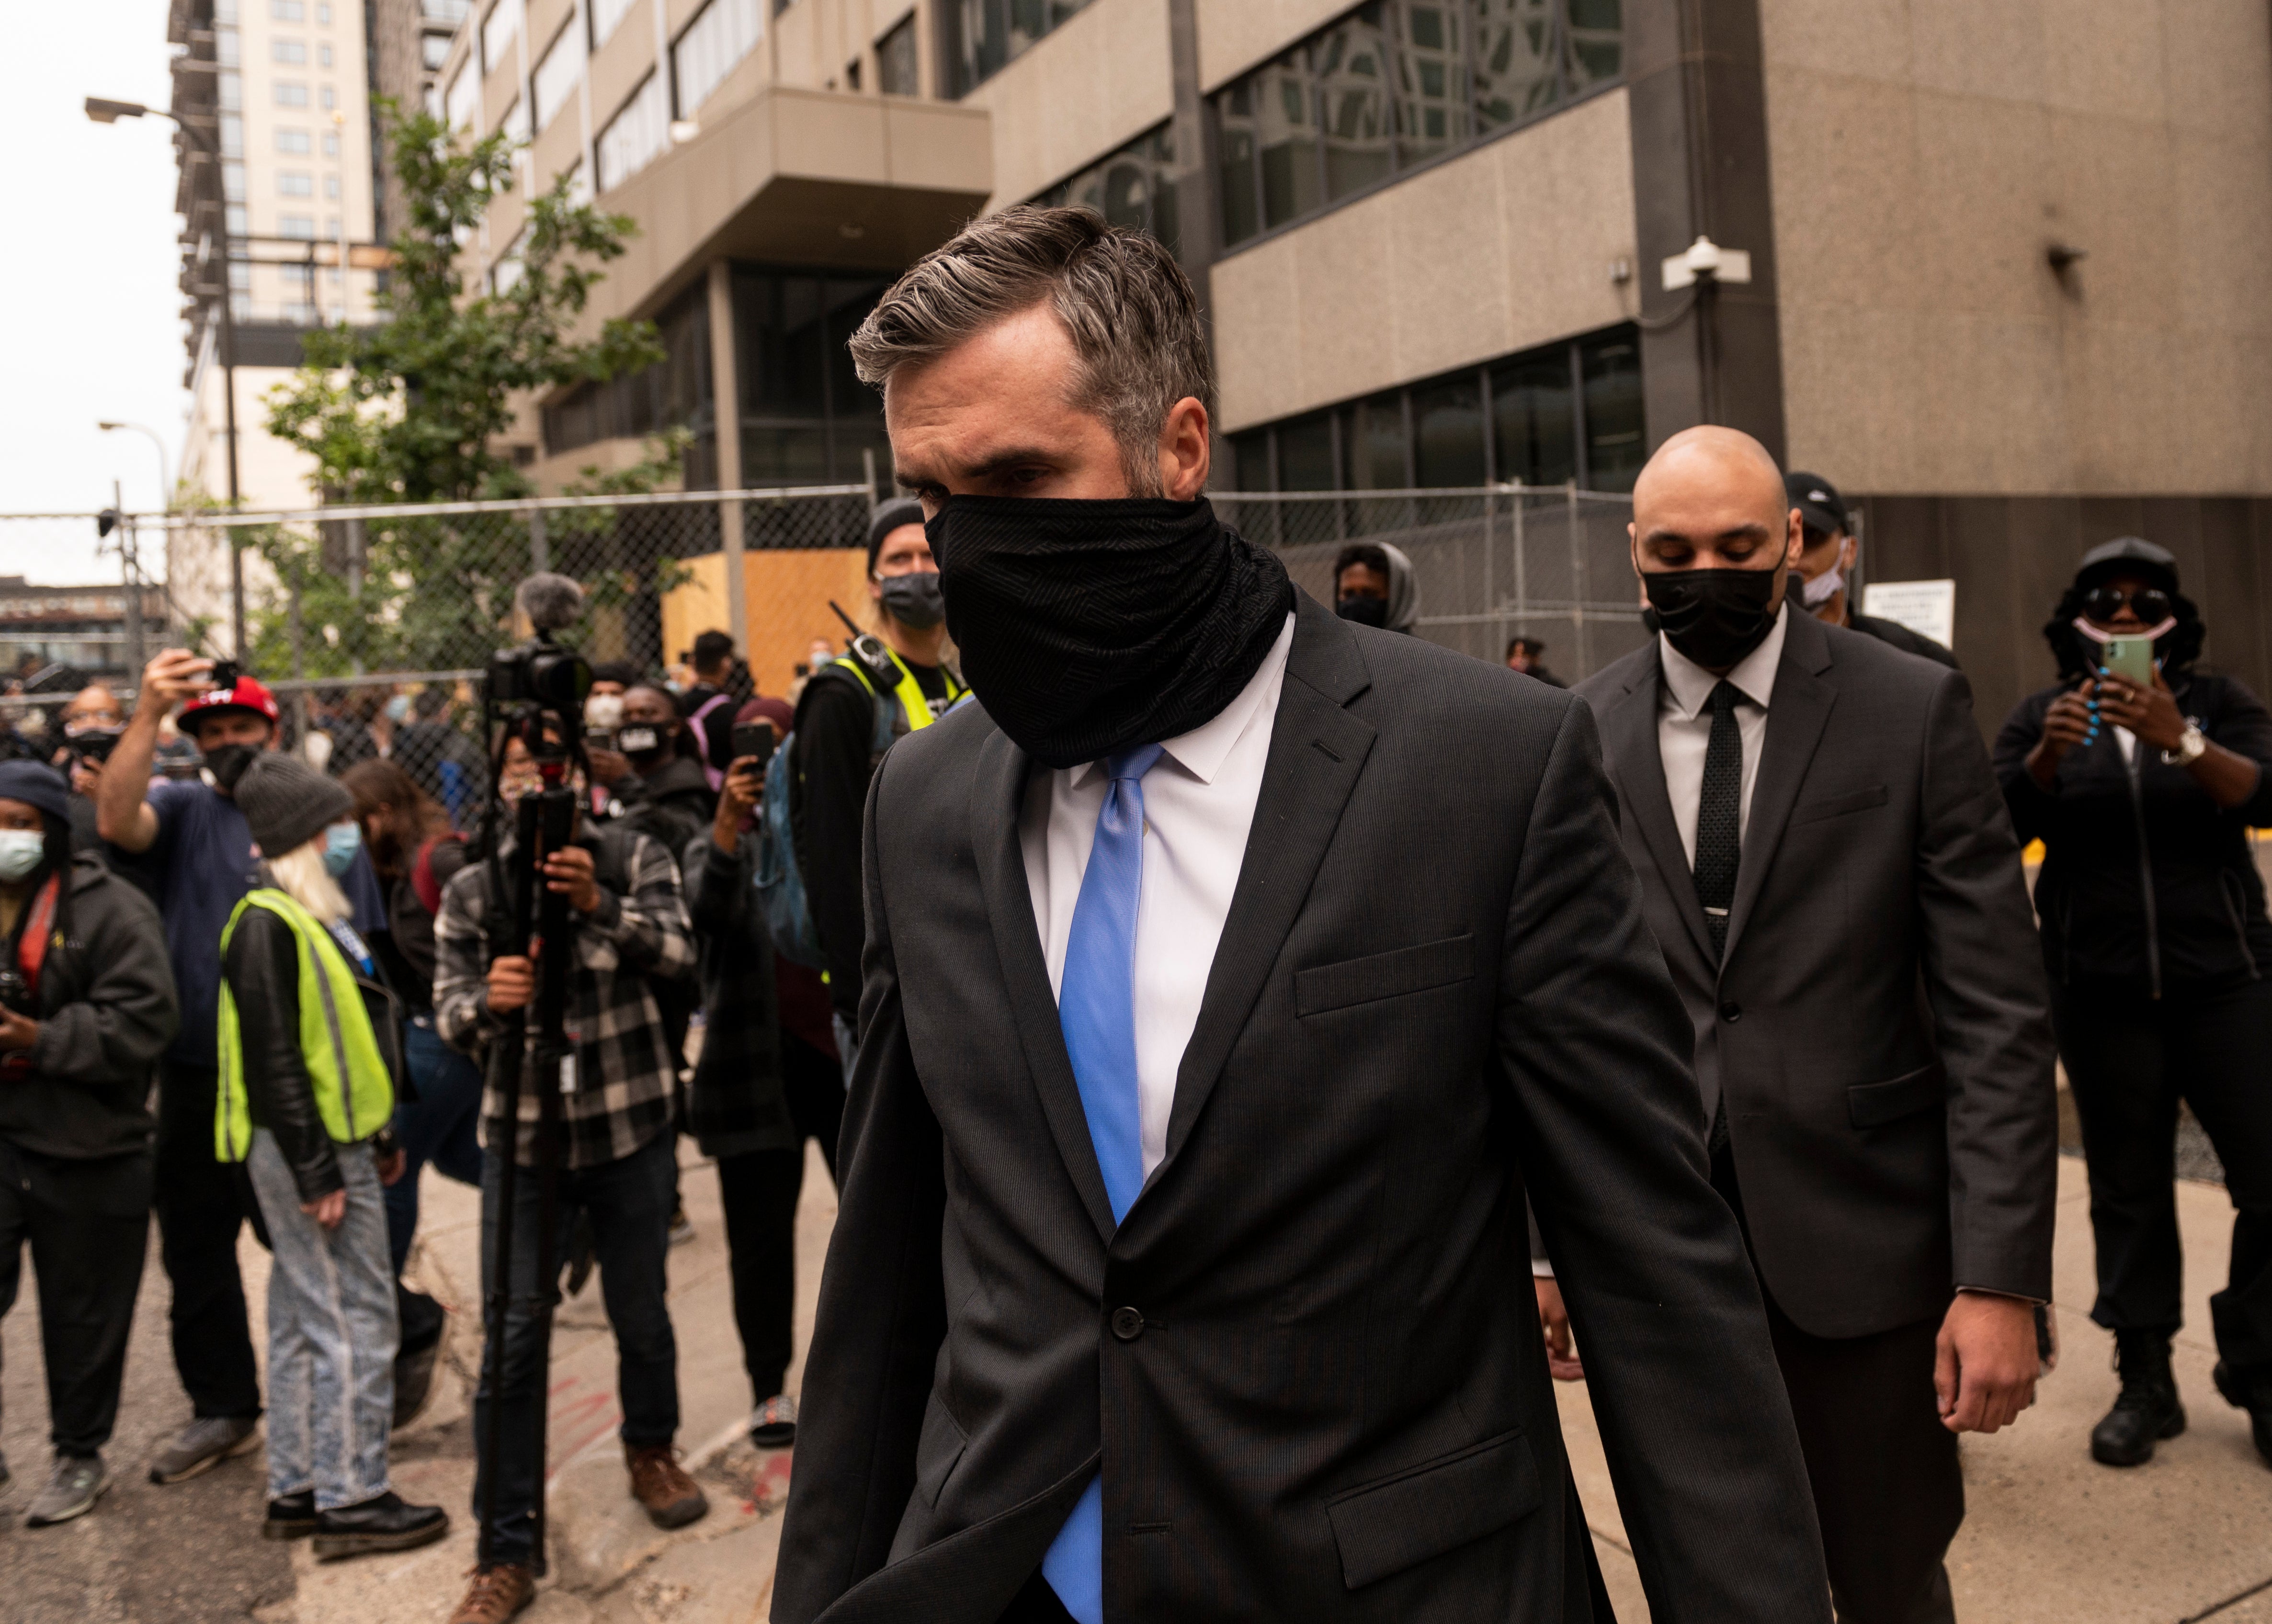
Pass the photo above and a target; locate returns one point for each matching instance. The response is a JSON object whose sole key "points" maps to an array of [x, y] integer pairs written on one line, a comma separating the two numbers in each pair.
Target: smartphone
{"points": [[2129, 657], [751, 739], [224, 674]]}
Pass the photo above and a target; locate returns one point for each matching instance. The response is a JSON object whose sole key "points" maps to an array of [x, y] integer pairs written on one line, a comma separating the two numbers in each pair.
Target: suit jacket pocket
{"points": [[937, 1449], [1384, 975], [1386, 1526], [1837, 805], [1874, 1104]]}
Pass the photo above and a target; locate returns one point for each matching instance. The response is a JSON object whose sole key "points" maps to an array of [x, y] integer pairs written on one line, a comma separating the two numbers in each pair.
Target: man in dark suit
{"points": [[1836, 886], [1223, 997]]}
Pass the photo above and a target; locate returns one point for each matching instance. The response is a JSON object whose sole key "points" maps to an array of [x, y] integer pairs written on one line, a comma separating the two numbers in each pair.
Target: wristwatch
{"points": [[2192, 744]]}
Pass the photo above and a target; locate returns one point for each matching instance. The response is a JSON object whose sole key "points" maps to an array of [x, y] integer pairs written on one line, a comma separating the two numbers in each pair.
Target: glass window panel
{"points": [[781, 456], [294, 51], [1352, 61], [462, 102], [293, 141], [1447, 421], [1431, 88], [849, 400], [636, 136], [605, 15], [291, 96], [1517, 76], [1305, 453], [1286, 138], [1373, 437], [557, 74], [712, 47], [897, 69], [497, 31], [1241, 203], [1251, 454], [1616, 438], [1595, 42], [1532, 429]]}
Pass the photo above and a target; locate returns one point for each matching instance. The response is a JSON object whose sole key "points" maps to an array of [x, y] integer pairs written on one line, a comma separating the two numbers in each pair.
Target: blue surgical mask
{"points": [[341, 842], [21, 851], [397, 709]]}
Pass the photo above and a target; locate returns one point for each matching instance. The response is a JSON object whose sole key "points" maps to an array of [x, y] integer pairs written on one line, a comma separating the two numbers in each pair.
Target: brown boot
{"points": [[497, 1593], [671, 1497]]}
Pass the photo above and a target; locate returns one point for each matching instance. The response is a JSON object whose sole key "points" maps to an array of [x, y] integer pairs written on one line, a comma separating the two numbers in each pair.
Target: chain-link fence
{"points": [[374, 625]]}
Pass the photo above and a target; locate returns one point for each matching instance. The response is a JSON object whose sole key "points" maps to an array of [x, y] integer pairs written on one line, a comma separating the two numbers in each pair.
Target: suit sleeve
{"points": [[882, 1307], [1983, 978], [2031, 809], [2245, 727], [1596, 1046], [832, 750]]}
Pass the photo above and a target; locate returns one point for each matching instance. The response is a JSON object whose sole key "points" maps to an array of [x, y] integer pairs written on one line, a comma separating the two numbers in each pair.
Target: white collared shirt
{"points": [[1684, 724], [1199, 805]]}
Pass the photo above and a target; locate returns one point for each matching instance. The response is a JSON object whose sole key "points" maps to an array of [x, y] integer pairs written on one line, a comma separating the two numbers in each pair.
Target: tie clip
{"points": [[1717, 913]]}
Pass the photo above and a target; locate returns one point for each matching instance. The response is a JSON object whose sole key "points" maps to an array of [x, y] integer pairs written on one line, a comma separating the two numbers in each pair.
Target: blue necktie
{"points": [[1097, 1009]]}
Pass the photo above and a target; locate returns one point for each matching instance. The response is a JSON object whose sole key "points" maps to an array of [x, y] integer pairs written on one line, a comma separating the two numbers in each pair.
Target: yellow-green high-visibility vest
{"points": [[353, 1093], [913, 702]]}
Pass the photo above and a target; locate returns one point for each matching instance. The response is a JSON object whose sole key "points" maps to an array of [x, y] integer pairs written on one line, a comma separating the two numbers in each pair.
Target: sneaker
{"points": [[73, 1487], [499, 1590], [203, 1445], [774, 1425], [682, 1227], [388, 1523], [292, 1517], [672, 1499]]}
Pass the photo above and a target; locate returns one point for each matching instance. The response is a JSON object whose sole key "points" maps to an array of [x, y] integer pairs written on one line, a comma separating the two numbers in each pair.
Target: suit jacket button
{"points": [[1127, 1325], [1732, 1011]]}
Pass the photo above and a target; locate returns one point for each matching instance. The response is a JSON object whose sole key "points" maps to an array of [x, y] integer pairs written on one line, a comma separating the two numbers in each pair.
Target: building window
{"points": [[898, 71], [1395, 84], [555, 77], [298, 225], [288, 11], [605, 15], [1135, 186], [332, 228], [293, 141], [636, 136], [331, 98], [239, 223], [515, 124], [295, 184], [433, 50], [987, 35], [232, 183], [806, 417], [449, 11], [725, 31], [231, 92], [232, 135], [463, 101], [1546, 417], [291, 51], [323, 16], [674, 392], [331, 187], [322, 56], [291, 95], [226, 48], [331, 144], [497, 29]]}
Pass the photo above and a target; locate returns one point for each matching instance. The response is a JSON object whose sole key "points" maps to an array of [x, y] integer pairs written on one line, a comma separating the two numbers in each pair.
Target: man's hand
{"points": [[1562, 1361], [392, 1165], [737, 798], [1984, 1361], [327, 1210], [512, 984], [608, 767], [172, 676], [17, 1032], [2066, 725], [568, 871]]}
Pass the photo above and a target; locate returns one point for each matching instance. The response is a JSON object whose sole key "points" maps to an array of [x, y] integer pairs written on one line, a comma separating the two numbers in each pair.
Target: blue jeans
{"points": [[629, 1204], [331, 1334], [441, 1126]]}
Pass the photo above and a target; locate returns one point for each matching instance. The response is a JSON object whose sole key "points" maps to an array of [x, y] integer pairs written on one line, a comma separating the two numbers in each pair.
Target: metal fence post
{"points": [[355, 574], [1578, 581], [1491, 627], [737, 585], [1522, 564], [299, 668], [540, 549]]}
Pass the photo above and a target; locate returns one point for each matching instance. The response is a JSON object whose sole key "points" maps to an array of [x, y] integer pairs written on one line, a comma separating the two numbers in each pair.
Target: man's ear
{"points": [[1185, 453]]}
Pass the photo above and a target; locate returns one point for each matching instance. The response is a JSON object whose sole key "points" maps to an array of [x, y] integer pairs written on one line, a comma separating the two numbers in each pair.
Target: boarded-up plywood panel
{"points": [[787, 593]]}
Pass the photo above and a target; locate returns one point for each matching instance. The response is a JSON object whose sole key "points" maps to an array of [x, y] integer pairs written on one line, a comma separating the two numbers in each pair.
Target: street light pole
{"points": [[104, 111], [165, 485]]}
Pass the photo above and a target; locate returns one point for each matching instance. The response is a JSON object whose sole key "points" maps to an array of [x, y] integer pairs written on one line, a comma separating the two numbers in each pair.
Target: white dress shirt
{"points": [[1684, 724], [1199, 805]]}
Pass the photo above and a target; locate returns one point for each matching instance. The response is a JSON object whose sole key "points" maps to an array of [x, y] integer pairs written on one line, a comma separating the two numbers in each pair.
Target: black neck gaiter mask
{"points": [[1087, 628]]}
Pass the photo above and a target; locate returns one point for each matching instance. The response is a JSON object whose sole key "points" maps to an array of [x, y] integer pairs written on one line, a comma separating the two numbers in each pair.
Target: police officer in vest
{"points": [[887, 685]]}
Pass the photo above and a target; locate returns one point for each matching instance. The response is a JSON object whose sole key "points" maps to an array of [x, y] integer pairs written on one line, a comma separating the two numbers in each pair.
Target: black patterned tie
{"points": [[1719, 817]]}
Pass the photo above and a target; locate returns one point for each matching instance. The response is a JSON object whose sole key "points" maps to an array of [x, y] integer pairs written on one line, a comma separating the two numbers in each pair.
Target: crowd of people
{"points": [[1202, 1083]]}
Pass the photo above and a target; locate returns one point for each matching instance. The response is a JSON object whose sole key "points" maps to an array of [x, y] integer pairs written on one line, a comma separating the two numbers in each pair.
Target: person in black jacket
{"points": [[89, 1008], [2154, 935], [1821, 574], [668, 795]]}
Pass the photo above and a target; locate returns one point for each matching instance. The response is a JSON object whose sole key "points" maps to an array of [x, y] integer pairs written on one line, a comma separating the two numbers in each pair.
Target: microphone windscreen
{"points": [[550, 601]]}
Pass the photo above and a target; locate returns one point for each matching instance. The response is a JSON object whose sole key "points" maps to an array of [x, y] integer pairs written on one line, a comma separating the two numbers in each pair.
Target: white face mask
{"points": [[604, 711], [1821, 589], [21, 851]]}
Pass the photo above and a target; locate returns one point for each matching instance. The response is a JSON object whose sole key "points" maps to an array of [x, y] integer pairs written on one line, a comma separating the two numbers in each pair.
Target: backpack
{"points": [[423, 881], [781, 876], [702, 736]]}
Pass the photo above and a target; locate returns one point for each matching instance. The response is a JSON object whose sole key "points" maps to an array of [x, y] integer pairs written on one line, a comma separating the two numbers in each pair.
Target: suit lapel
{"points": [[1797, 713], [1317, 750], [997, 793], [1629, 731]]}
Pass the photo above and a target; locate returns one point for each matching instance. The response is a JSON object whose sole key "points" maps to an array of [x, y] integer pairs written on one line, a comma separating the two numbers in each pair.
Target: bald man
{"points": [[1819, 841]]}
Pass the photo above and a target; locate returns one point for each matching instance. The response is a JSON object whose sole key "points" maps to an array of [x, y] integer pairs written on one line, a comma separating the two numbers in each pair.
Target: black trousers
{"points": [[88, 1227], [202, 1204], [759, 1191], [1888, 1489], [2129, 1060]]}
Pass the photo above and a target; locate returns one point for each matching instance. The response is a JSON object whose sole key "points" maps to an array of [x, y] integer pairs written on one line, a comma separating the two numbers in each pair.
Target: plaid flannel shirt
{"points": [[626, 1079]]}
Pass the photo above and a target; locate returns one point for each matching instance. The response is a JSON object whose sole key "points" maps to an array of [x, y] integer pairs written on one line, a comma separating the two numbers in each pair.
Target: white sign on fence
{"points": [[1926, 607]]}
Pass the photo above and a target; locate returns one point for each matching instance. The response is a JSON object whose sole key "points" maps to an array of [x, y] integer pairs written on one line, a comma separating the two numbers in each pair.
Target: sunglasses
{"points": [[2151, 604]]}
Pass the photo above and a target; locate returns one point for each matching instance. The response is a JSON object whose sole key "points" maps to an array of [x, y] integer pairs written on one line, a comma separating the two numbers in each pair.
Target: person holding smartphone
{"points": [[2143, 777]]}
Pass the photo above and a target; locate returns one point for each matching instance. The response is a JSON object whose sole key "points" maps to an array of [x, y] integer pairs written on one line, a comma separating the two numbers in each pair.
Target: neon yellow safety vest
{"points": [[914, 703], [353, 1093]]}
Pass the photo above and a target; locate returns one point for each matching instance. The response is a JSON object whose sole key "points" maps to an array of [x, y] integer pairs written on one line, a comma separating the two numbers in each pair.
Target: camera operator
{"points": [[86, 1002], [196, 852], [617, 1159]]}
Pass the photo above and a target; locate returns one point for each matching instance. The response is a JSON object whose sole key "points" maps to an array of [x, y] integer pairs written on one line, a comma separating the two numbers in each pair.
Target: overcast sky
{"points": [[89, 283]]}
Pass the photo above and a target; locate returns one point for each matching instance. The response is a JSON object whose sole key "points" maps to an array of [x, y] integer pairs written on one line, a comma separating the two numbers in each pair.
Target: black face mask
{"points": [[1713, 616], [1088, 627], [1364, 609], [227, 762], [914, 600]]}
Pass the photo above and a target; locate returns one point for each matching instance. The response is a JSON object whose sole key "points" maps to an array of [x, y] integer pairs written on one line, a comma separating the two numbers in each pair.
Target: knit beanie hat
{"points": [[287, 803]]}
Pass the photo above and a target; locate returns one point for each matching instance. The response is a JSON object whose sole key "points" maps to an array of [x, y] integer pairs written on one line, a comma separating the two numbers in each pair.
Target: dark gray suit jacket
{"points": [[1309, 1360], [1880, 1021]]}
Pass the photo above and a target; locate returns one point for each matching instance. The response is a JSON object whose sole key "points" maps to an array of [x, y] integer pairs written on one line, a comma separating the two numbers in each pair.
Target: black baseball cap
{"points": [[1820, 508], [2128, 555]]}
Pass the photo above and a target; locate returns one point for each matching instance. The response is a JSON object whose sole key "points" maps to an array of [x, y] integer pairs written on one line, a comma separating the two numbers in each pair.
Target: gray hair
{"points": [[1139, 344]]}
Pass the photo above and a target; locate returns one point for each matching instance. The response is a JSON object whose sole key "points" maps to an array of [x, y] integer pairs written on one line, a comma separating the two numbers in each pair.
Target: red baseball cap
{"points": [[249, 695]]}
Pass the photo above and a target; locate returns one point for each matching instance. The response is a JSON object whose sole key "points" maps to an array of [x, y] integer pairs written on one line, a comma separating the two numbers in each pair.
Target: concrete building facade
{"points": [[2010, 260]]}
